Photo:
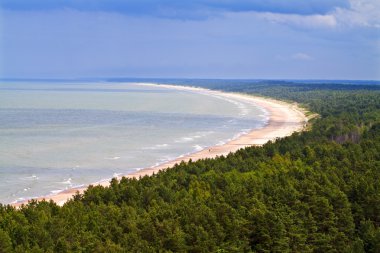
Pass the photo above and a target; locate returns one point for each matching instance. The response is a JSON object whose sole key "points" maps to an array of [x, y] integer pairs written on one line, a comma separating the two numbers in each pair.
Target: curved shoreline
{"points": [[284, 119]]}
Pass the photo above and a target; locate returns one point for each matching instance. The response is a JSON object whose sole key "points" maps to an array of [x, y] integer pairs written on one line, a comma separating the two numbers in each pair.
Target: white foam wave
{"points": [[197, 147], [244, 110], [220, 143], [32, 177], [197, 135], [68, 181], [116, 174], [245, 131], [165, 159], [113, 158], [184, 139], [54, 192], [158, 146]]}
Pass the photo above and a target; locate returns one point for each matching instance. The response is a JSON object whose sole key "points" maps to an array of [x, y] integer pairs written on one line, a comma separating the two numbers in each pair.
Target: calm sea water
{"points": [[55, 136]]}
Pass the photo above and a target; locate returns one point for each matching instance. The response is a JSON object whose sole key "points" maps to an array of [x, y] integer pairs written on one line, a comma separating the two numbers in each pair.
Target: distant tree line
{"points": [[315, 191]]}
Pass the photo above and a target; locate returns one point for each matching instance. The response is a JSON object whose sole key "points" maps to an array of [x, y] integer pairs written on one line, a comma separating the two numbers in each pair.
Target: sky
{"points": [[247, 39]]}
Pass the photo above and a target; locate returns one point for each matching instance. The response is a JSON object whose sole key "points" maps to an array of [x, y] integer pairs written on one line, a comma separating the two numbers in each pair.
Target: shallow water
{"points": [[54, 136]]}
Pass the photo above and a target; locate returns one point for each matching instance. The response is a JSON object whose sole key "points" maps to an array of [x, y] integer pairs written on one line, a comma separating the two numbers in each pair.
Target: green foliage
{"points": [[316, 191], [5, 242]]}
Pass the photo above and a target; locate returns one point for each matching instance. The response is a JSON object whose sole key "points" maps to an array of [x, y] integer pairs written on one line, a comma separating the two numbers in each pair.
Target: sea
{"points": [[60, 135]]}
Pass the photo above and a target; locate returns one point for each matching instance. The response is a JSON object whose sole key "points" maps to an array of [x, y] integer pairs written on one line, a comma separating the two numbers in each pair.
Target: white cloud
{"points": [[300, 20], [361, 13], [302, 57]]}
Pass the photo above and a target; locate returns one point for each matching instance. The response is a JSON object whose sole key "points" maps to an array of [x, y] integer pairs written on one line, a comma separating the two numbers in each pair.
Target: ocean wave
{"points": [[113, 158], [116, 175], [246, 130], [193, 137], [55, 192], [18, 200], [165, 159], [184, 139], [157, 146], [68, 181], [244, 110], [197, 148], [193, 140], [220, 143], [32, 177]]}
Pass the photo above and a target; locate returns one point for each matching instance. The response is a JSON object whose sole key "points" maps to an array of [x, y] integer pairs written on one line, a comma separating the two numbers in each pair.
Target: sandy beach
{"points": [[284, 119]]}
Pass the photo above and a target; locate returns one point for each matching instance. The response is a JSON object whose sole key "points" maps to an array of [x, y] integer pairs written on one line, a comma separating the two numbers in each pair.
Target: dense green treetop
{"points": [[315, 191]]}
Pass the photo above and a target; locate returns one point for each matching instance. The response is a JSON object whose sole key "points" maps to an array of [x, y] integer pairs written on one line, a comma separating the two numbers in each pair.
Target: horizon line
{"points": [[177, 78]]}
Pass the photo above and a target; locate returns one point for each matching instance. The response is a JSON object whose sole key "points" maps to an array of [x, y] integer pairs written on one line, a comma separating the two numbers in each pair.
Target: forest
{"points": [[314, 191]]}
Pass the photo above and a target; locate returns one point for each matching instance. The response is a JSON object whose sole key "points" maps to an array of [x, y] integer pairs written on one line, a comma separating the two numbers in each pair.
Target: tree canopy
{"points": [[315, 191]]}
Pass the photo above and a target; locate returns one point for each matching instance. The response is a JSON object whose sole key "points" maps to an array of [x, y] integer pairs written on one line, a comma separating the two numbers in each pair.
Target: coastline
{"points": [[284, 119]]}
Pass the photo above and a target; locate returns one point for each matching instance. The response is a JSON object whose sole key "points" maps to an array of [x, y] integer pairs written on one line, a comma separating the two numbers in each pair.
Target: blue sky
{"points": [[314, 39]]}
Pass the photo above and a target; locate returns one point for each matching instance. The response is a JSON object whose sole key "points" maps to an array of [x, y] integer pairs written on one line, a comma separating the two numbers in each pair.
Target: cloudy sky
{"points": [[313, 39]]}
